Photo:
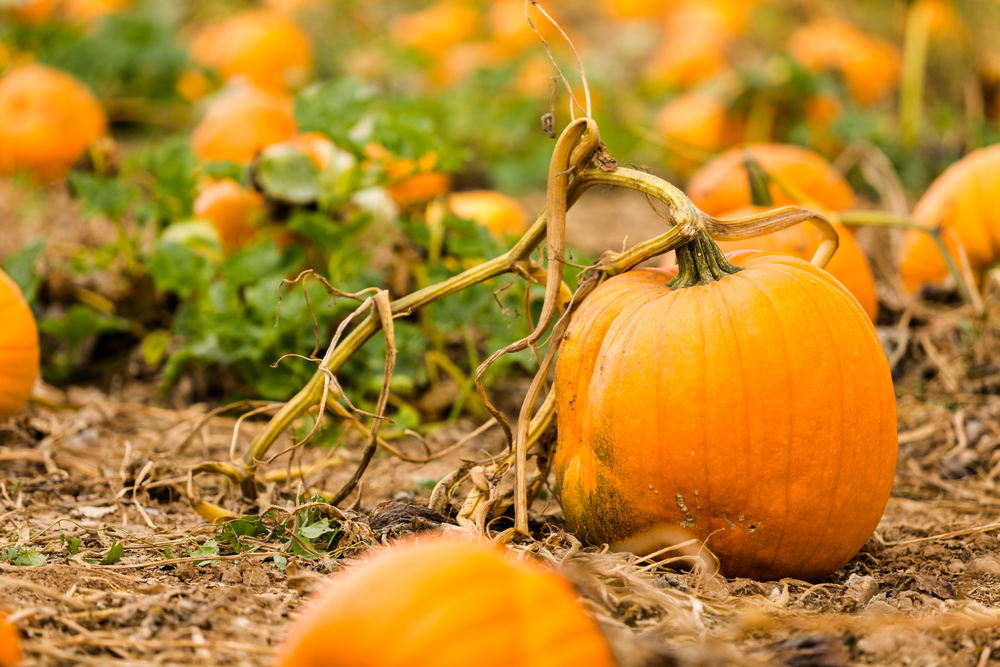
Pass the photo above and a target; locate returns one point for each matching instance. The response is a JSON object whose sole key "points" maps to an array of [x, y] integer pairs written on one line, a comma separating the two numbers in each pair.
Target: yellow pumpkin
{"points": [[444, 603], [19, 349]]}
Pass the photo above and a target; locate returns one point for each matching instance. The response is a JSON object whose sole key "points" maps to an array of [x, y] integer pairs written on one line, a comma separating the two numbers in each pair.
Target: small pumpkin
{"points": [[31, 12], [721, 185], [10, 644], [745, 400], [870, 65], [265, 46], [849, 265], [47, 120], [961, 200], [243, 122], [499, 213], [19, 350], [448, 604], [232, 210]]}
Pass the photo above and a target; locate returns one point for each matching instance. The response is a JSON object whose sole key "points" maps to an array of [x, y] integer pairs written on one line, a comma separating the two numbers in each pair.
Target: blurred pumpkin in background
{"points": [[47, 119], [19, 356], [85, 11], [696, 37], [722, 185], [695, 124], [232, 210], [241, 123], [434, 30], [499, 213], [30, 11], [869, 65], [444, 603], [962, 200], [266, 47], [625, 10], [509, 28]]}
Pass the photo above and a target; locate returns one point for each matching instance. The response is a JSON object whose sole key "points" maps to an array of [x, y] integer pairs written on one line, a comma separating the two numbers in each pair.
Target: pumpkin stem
{"points": [[759, 181], [701, 262]]}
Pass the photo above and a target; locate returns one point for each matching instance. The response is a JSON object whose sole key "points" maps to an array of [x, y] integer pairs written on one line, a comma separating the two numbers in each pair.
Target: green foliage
{"points": [[208, 549], [172, 169], [21, 267], [132, 55], [23, 557], [71, 544], [78, 325]]}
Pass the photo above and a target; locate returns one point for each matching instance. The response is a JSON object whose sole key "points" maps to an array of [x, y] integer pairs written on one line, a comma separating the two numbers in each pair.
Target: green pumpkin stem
{"points": [[759, 181], [700, 262]]}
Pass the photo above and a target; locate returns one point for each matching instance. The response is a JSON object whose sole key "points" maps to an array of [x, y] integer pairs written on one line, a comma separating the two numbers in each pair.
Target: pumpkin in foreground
{"points": [[960, 200], [751, 407], [444, 603], [10, 644], [849, 265], [19, 351]]}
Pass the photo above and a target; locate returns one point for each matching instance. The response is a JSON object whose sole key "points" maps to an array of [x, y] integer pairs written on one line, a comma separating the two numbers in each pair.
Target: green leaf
{"points": [[287, 174], [177, 268], [209, 548], [248, 526], [154, 347], [24, 557], [20, 266], [281, 562], [72, 544], [115, 554], [81, 323], [109, 197]]}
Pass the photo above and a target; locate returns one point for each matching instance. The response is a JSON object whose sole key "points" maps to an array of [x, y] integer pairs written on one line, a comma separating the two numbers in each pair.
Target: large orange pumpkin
{"points": [[961, 199], [267, 47], [242, 123], [232, 210], [721, 185], [47, 119], [849, 265], [19, 351], [10, 644], [752, 410], [448, 604], [870, 65]]}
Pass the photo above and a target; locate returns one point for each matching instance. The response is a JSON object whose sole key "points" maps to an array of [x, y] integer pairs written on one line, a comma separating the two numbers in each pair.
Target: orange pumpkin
{"points": [[870, 65], [624, 10], [265, 46], [849, 265], [754, 411], [960, 200], [47, 119], [510, 30], [448, 604], [496, 211], [461, 60], [242, 123], [87, 10], [696, 37], [420, 188], [32, 11], [721, 185], [19, 350], [437, 28], [232, 210], [10, 644], [698, 121]]}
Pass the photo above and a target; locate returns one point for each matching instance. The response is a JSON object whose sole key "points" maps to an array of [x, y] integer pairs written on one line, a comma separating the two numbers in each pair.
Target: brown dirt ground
{"points": [[84, 464]]}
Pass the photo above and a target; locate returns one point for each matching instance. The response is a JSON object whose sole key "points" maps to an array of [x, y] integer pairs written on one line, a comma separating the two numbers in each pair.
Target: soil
{"points": [[86, 474]]}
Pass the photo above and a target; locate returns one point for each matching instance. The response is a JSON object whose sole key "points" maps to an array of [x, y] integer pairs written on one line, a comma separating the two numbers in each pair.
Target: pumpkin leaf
{"points": [[21, 267]]}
